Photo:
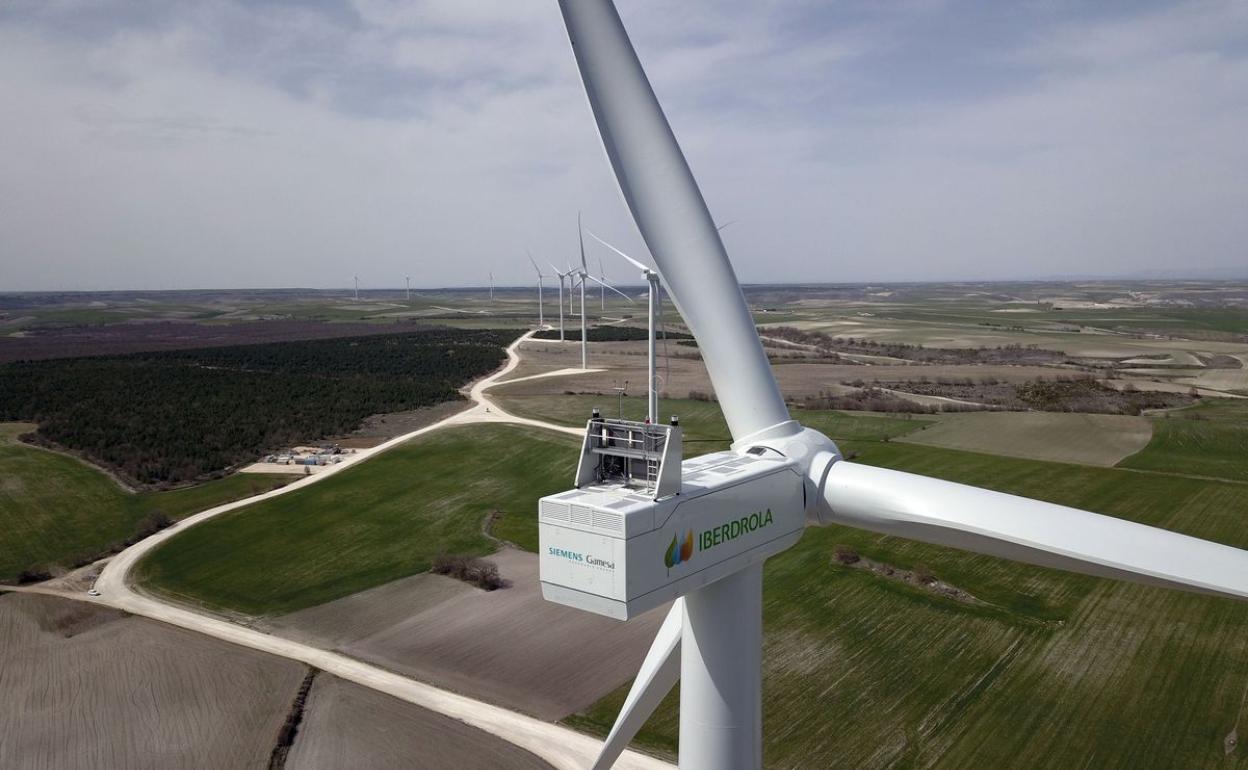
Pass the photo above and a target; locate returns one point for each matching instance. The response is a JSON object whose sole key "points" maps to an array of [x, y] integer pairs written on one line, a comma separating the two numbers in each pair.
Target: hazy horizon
{"points": [[152, 146]]}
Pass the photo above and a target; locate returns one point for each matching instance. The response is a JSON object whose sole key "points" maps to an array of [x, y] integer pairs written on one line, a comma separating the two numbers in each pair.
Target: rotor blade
{"points": [[634, 262], [580, 234], [994, 523], [603, 283], [535, 267], [673, 219], [655, 679]]}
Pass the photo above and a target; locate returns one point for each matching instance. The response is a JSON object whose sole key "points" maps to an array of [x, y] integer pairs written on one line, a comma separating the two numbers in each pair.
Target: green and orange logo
{"points": [[679, 551]]}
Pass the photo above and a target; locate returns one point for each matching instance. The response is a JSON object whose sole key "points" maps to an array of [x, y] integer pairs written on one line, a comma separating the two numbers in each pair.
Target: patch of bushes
{"points": [[1006, 354], [33, 575], [171, 417], [607, 334], [470, 569]]}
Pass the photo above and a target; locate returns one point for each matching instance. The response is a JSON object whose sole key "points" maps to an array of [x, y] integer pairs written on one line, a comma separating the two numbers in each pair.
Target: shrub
{"points": [[33, 575], [845, 555], [478, 572]]}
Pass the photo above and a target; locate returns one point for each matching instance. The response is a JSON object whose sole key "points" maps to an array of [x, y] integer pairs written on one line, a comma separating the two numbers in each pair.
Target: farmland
{"points": [[1011, 666], [906, 676], [89, 687], [1208, 440], [57, 512], [376, 522], [1044, 670]]}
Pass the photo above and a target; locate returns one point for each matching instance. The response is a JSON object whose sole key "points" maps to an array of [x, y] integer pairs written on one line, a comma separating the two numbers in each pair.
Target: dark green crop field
{"points": [[1206, 440], [56, 512], [373, 523]]}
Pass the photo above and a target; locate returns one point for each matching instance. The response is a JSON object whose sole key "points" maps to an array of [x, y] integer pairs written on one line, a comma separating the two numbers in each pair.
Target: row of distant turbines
{"points": [[576, 278]]}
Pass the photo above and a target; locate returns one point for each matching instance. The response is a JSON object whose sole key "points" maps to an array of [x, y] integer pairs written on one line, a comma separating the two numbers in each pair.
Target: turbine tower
{"points": [[602, 287], [652, 278], [562, 275], [491, 287], [541, 317], [356, 278], [407, 281], [755, 500], [584, 272]]}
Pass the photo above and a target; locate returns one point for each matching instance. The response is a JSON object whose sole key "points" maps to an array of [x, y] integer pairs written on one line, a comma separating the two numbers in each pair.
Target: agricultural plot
{"points": [[1024, 668], [346, 725], [368, 525], [508, 646], [57, 512], [86, 687], [1206, 440], [702, 423], [1089, 439]]}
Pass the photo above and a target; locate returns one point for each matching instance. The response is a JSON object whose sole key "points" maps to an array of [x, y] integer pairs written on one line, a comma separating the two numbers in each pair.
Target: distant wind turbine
{"points": [[652, 278], [408, 281], [357, 288], [541, 317], [562, 276]]}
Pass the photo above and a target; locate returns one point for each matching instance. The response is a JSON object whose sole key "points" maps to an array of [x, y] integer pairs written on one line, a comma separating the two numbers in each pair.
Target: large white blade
{"points": [[580, 235], [655, 679], [944, 513], [635, 263], [535, 267], [672, 216], [604, 284]]}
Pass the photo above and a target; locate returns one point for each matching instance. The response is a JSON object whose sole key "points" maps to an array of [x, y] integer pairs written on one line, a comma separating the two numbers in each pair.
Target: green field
{"points": [[56, 511], [1049, 670], [1039, 669], [1210, 439], [379, 521], [703, 425]]}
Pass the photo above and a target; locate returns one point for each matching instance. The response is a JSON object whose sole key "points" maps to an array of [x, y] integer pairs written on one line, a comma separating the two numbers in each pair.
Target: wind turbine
{"points": [[582, 274], [652, 278], [562, 274], [491, 286], [356, 278], [602, 287], [541, 317], [711, 639], [407, 281]]}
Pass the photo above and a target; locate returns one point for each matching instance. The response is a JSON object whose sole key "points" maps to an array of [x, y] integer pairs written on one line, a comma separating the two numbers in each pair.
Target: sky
{"points": [[156, 144]]}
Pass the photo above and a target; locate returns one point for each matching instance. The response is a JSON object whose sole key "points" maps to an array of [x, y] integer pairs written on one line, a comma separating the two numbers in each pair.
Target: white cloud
{"points": [[220, 144]]}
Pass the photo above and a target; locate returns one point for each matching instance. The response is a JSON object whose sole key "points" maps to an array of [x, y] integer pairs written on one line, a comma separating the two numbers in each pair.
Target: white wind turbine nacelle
{"points": [[715, 623]]}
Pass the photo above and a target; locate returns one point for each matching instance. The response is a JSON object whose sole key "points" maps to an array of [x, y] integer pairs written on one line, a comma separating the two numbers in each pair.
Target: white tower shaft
{"points": [[721, 674], [652, 375], [584, 330], [561, 307]]}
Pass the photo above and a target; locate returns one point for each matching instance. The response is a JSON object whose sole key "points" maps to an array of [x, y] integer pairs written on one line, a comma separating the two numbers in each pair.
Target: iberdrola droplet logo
{"points": [[679, 551]]}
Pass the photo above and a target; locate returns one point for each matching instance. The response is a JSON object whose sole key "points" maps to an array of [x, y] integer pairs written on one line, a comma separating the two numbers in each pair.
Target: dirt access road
{"points": [[561, 747]]}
